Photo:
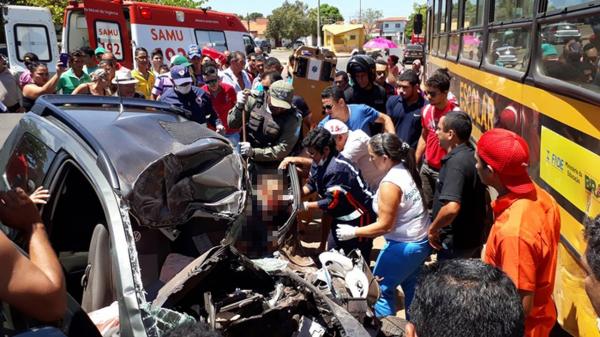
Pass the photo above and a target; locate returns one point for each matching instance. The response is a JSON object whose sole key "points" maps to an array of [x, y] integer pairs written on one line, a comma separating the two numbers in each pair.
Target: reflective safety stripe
{"points": [[352, 216], [336, 188]]}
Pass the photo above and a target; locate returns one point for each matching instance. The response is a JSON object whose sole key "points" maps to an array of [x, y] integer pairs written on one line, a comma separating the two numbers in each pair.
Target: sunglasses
{"points": [[211, 82], [431, 94], [327, 107]]}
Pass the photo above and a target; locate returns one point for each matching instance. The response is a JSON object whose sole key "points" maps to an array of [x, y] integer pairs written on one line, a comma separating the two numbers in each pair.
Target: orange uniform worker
{"points": [[523, 241]]}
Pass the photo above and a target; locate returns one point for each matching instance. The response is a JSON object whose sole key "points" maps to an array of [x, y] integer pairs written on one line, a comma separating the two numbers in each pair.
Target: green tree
{"points": [[369, 18], [253, 16], [178, 3], [417, 8], [57, 7], [329, 15], [289, 21]]}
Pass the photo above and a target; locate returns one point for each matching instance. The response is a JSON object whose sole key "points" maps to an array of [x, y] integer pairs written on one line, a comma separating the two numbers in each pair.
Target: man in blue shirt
{"points": [[191, 98], [356, 116], [405, 109]]}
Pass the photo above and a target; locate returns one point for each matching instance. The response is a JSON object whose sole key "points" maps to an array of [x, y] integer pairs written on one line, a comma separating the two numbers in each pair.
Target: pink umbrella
{"points": [[381, 43]]}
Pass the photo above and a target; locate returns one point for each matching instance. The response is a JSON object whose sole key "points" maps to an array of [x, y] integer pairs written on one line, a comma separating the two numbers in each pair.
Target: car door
{"points": [[248, 44], [29, 30], [107, 28], [27, 161]]}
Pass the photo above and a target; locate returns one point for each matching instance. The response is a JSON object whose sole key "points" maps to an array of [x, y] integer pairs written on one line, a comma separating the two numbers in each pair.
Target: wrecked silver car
{"points": [[144, 208]]}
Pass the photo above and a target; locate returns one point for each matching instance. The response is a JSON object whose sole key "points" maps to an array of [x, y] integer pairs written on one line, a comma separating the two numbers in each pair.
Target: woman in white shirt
{"points": [[401, 218]]}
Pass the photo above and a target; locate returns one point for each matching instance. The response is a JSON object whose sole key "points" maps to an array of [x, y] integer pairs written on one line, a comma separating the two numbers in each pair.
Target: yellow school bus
{"points": [[531, 66]]}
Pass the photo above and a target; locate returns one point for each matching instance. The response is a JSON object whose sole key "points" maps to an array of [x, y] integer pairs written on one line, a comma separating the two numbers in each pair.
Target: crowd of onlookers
{"points": [[392, 157]]}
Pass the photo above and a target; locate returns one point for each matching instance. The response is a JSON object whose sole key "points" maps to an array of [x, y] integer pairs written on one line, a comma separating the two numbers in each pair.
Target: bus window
{"points": [[434, 44], [453, 46], [472, 42], [560, 4], [570, 50], [443, 16], [213, 39], [443, 45], [509, 48], [436, 18], [34, 39], [508, 10], [454, 16], [77, 34], [473, 13]]}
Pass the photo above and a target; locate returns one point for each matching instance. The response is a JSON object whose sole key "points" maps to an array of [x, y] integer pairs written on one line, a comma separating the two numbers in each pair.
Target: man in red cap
{"points": [[524, 238]]}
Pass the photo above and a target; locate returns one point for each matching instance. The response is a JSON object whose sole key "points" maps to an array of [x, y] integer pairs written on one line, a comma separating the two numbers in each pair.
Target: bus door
{"points": [[29, 30], [107, 28]]}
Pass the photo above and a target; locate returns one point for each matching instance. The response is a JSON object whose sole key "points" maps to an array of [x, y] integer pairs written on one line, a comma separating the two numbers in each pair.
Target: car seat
{"points": [[97, 282]]}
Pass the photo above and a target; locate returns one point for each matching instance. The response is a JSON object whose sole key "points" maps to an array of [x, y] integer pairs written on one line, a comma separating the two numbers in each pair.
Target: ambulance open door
{"points": [[29, 30], [107, 28]]}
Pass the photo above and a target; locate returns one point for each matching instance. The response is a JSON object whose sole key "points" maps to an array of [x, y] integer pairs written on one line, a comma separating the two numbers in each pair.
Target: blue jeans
{"points": [[398, 263]]}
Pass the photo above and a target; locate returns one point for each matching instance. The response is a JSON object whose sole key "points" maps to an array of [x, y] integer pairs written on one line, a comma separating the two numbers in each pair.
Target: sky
{"points": [[349, 8]]}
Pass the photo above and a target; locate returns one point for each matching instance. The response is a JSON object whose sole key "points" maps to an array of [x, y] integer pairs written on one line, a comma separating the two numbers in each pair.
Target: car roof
{"points": [[115, 128]]}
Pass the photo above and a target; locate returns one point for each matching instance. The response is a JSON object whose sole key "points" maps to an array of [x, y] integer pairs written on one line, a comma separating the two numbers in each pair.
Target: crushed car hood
{"points": [[182, 170]]}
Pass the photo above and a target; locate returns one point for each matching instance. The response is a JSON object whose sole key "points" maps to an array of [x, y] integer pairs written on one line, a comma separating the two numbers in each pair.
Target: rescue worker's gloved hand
{"points": [[242, 98], [220, 129], [345, 232], [246, 149], [303, 206]]}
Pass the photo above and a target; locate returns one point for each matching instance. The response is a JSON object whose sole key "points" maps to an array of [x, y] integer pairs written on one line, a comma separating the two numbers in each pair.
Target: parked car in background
{"points": [[505, 56], [294, 45], [265, 45], [559, 33], [412, 52]]}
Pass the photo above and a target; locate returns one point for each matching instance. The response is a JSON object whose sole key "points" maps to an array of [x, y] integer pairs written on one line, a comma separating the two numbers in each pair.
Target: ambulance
{"points": [[120, 27], [27, 29]]}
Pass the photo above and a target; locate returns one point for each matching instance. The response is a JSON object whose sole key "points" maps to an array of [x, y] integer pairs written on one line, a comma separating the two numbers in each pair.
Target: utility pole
{"points": [[319, 23], [248, 21], [359, 11]]}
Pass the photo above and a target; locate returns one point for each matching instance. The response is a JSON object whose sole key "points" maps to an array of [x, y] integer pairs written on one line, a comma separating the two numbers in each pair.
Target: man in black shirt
{"points": [[364, 90], [459, 205]]}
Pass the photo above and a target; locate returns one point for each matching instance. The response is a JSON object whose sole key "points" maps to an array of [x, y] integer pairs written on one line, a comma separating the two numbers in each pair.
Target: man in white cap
{"points": [[125, 83], [352, 144]]}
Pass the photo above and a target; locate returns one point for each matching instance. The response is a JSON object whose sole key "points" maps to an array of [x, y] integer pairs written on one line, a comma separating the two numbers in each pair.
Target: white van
{"points": [[28, 29]]}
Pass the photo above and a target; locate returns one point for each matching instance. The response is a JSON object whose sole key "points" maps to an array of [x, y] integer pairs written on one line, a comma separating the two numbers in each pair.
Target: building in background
{"points": [[344, 37], [257, 27], [392, 28]]}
